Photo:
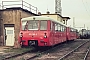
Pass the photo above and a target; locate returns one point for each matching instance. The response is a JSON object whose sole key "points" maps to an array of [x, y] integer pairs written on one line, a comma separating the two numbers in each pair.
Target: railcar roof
{"points": [[42, 18]]}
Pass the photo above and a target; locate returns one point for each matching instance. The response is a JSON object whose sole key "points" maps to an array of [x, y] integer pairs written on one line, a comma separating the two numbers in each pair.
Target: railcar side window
{"points": [[64, 28], [61, 28], [72, 30], [33, 25], [51, 26], [43, 25], [56, 27]]}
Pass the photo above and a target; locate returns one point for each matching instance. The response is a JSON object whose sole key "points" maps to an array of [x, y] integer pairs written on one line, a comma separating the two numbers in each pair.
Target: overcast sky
{"points": [[79, 9]]}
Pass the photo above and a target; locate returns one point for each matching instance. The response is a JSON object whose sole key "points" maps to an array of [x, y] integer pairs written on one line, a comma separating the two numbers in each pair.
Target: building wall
{"points": [[13, 16], [59, 18], [1, 30], [52, 16], [25, 14]]}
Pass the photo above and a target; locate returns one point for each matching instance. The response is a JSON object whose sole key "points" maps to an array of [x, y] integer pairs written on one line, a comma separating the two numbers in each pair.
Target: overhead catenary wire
{"points": [[85, 8], [87, 4]]}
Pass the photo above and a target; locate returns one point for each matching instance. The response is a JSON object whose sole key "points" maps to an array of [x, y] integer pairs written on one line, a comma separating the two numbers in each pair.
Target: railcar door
{"points": [[68, 33], [51, 24]]}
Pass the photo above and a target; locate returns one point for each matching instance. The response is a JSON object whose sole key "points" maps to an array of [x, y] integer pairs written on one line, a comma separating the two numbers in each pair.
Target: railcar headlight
{"points": [[21, 34], [45, 35]]}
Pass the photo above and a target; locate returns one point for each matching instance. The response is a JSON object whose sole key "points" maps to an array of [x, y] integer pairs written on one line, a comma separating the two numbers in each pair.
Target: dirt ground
{"points": [[2, 48]]}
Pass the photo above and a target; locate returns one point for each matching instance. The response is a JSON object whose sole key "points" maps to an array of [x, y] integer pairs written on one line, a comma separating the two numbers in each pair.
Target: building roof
{"points": [[52, 14], [58, 15], [19, 8], [66, 17]]}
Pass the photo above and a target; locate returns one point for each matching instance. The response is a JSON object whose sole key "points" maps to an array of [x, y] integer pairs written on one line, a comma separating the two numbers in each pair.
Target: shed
{"points": [[10, 24]]}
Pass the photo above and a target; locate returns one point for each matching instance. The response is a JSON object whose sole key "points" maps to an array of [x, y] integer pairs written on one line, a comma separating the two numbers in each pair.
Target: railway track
{"points": [[29, 56], [9, 56], [77, 52], [26, 55], [58, 51], [87, 55], [32, 56], [54, 54], [42, 53]]}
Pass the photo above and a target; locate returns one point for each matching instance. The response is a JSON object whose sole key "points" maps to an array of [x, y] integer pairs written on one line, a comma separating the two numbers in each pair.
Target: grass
{"points": [[19, 50]]}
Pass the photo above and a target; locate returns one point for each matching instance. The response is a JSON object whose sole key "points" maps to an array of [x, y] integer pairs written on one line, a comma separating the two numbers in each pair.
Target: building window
{"points": [[64, 21]]}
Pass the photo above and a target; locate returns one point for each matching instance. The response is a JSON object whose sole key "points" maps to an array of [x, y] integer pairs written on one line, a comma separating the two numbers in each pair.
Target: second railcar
{"points": [[71, 33]]}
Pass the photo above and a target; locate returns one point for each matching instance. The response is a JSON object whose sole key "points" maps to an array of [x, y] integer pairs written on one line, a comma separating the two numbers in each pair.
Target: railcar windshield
{"points": [[33, 25], [30, 25], [43, 25]]}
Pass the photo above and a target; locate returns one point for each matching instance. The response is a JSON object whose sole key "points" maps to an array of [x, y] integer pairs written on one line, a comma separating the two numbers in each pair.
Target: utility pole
{"points": [[84, 26], [87, 28], [58, 7], [74, 22]]}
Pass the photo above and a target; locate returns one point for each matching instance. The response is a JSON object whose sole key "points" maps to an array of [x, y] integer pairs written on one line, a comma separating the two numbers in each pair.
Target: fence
{"points": [[22, 4]]}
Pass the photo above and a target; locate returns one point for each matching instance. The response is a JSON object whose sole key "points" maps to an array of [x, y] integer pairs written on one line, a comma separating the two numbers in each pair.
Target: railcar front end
{"points": [[34, 38], [34, 33]]}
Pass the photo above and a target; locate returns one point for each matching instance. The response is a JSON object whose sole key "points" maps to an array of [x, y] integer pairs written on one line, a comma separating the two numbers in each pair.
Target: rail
{"points": [[87, 53], [72, 51], [22, 4]]}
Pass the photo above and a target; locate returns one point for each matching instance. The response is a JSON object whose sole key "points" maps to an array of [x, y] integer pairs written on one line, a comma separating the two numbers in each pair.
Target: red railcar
{"points": [[43, 31], [71, 33]]}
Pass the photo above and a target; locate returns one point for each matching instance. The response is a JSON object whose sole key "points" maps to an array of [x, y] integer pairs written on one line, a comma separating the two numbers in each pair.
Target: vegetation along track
{"points": [[59, 51], [79, 53]]}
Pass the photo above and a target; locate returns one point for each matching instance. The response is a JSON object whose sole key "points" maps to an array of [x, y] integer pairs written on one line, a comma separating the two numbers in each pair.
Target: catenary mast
{"points": [[58, 9]]}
